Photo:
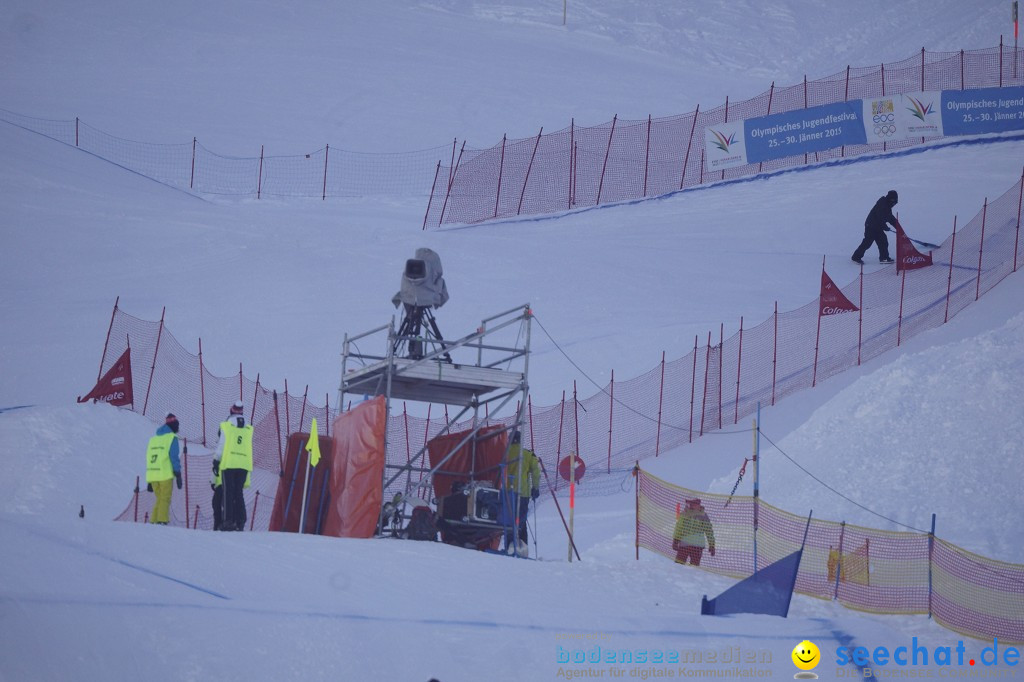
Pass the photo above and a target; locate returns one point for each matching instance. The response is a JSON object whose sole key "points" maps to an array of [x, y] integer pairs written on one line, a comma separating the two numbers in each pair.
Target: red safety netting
{"points": [[619, 160], [863, 568], [719, 382]]}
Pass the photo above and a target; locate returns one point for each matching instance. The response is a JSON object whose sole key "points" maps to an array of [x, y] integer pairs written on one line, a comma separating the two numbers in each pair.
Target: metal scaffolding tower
{"points": [[486, 369]]}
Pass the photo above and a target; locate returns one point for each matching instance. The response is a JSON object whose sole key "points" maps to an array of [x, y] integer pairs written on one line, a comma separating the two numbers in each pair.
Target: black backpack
{"points": [[422, 524]]}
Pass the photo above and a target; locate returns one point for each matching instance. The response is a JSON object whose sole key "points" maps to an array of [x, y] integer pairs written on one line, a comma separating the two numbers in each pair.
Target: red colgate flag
{"points": [[114, 387], [907, 256], [832, 301]]}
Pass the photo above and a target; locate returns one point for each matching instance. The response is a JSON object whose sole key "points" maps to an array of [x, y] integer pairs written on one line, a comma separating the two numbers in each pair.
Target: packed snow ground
{"points": [[930, 429]]}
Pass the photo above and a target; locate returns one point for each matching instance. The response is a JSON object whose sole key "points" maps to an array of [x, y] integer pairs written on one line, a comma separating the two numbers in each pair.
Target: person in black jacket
{"points": [[875, 227]]}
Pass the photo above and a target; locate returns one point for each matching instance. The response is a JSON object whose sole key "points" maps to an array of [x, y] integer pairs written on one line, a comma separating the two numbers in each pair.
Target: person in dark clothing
{"points": [[875, 227]]}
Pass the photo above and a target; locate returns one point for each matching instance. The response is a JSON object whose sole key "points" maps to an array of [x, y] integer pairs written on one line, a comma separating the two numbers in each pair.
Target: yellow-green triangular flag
{"points": [[313, 445]]}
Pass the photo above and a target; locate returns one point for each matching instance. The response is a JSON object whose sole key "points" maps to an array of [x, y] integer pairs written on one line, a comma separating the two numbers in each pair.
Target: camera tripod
{"points": [[418, 325]]}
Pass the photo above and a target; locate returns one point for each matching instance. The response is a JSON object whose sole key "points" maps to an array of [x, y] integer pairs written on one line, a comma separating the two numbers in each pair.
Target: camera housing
{"points": [[423, 284]]}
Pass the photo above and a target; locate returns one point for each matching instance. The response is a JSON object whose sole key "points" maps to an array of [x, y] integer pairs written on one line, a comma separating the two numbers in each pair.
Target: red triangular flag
{"points": [[114, 387], [832, 301], [908, 257]]}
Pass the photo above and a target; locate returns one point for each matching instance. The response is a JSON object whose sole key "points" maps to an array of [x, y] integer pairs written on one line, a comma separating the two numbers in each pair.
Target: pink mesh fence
{"points": [[720, 380], [863, 568], [620, 160], [325, 172]]}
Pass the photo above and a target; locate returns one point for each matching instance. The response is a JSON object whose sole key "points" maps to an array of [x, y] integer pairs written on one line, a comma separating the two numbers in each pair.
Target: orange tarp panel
{"points": [[357, 471], [490, 450], [288, 502]]}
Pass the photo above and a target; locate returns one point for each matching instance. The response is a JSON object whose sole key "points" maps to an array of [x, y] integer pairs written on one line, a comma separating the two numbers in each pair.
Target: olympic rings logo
{"points": [[885, 131], [884, 118]]}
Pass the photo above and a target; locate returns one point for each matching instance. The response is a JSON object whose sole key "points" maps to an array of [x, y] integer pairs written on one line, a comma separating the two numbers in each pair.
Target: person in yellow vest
{"points": [[522, 482], [237, 410], [233, 464], [163, 467]]}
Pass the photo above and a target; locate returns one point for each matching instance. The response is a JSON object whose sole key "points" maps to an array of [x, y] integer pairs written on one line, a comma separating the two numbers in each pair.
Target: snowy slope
{"points": [[928, 429]]}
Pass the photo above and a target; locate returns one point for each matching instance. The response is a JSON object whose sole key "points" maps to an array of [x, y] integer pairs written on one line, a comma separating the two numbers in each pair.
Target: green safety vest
{"points": [[158, 458], [237, 453]]}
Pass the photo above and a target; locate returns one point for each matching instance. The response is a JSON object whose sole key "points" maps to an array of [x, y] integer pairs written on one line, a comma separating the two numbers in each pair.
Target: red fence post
{"points": [[817, 336], [949, 283], [426, 437], [575, 166], [184, 457], [572, 170], [259, 177], [528, 169], [76, 131], [287, 412], [240, 389], [192, 177], [704, 400], [136, 517], [860, 316], [884, 143], [1016, 239], [805, 106], [899, 322], [195, 519], [576, 415], [739, 365], [277, 422], [433, 186], [686, 159], [611, 406], [771, 95], [661, 396], [607, 152], [451, 181], [981, 249], [726, 120], [327, 414], [255, 395], [103, 358], [152, 369], [721, 366], [529, 413], [302, 415], [693, 386], [647, 156], [202, 390], [961, 69], [1000, 60], [775, 351], [327, 152], [501, 168], [561, 422]]}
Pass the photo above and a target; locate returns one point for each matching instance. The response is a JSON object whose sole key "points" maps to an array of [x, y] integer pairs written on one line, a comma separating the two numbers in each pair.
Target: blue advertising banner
{"points": [[804, 130], [985, 110]]}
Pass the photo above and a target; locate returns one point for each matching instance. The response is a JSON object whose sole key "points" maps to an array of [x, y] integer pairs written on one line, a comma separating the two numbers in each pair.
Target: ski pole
{"points": [[927, 245]]}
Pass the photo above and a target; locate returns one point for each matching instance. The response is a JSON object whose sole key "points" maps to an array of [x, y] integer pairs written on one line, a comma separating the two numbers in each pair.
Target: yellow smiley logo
{"points": [[806, 655]]}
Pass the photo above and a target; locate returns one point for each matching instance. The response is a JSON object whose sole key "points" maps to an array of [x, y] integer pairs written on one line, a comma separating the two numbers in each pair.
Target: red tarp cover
{"points": [[490, 449], [357, 470], [289, 486]]}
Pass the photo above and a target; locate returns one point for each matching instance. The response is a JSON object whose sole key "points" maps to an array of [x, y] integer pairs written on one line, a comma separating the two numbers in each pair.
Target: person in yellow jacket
{"points": [[237, 410], [692, 526], [233, 465], [522, 481], [162, 467]]}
